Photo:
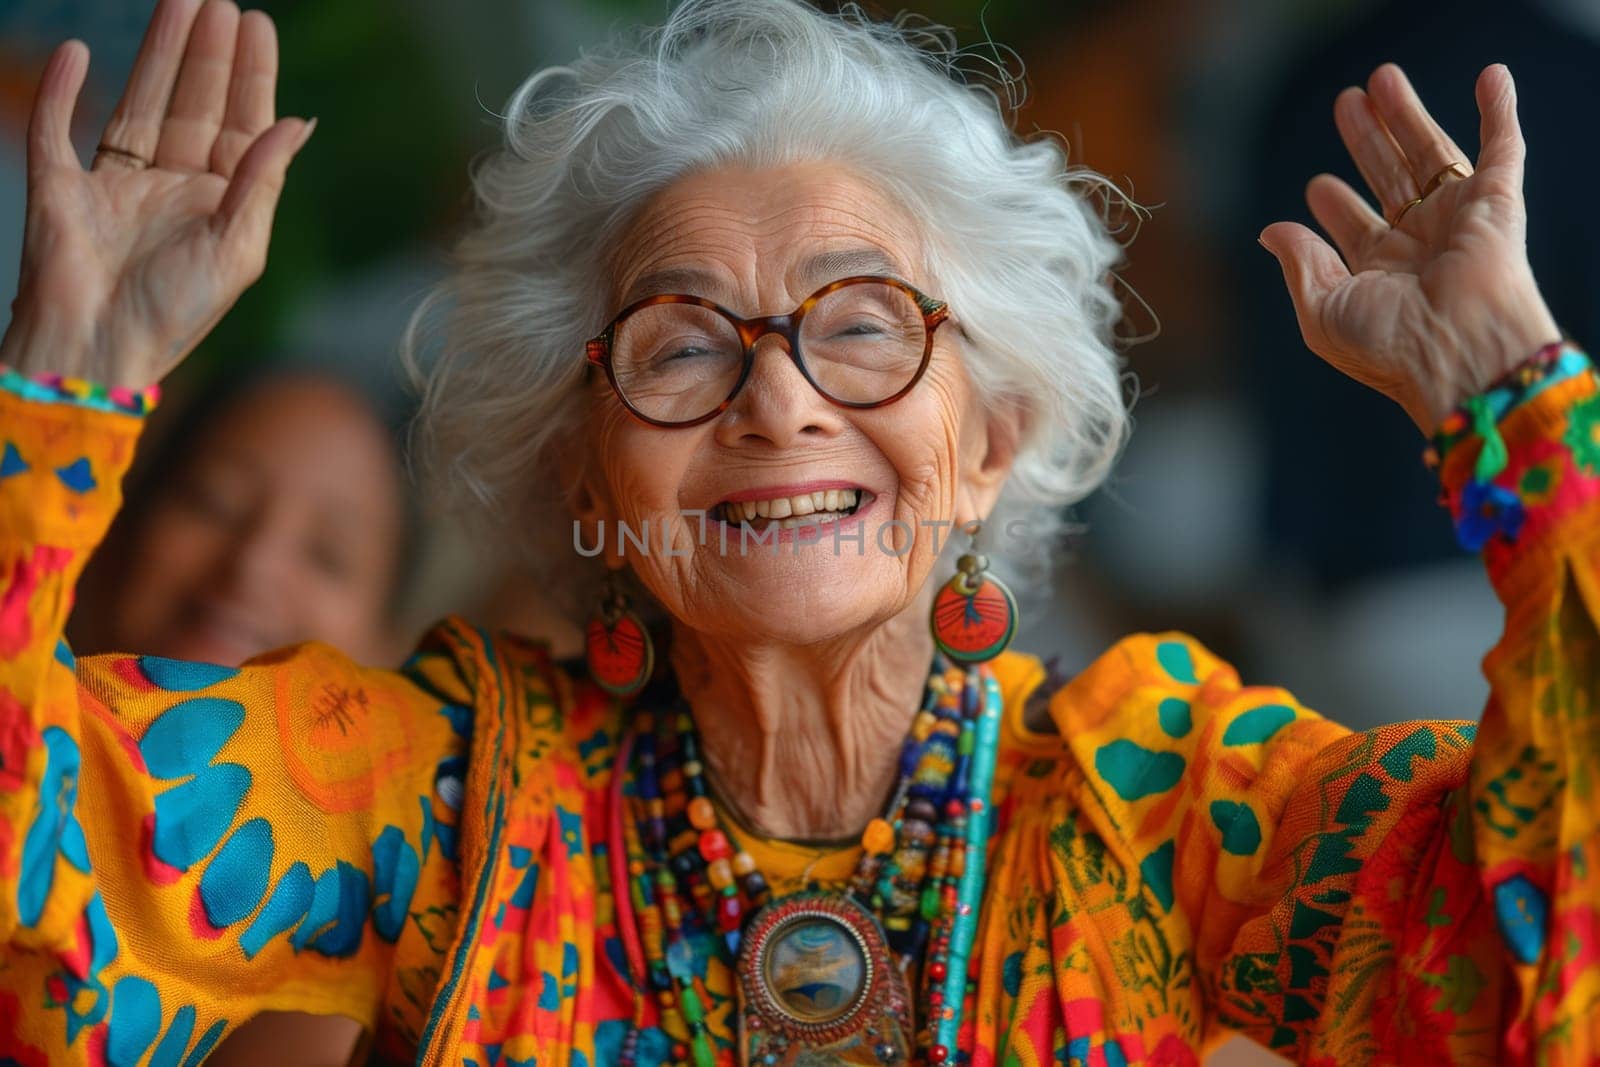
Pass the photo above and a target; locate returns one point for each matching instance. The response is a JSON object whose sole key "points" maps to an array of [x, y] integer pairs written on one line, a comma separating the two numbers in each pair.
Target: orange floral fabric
{"points": [[428, 850]]}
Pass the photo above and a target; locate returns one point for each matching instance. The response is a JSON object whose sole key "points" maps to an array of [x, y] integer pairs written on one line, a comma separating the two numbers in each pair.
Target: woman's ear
{"points": [[588, 503], [987, 455], [573, 472]]}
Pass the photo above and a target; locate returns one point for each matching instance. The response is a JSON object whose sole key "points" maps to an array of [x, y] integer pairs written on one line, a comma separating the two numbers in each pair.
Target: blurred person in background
{"points": [[273, 513]]}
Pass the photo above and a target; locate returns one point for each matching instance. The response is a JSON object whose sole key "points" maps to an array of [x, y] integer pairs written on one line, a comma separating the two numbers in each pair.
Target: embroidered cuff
{"points": [[56, 389], [1518, 457]]}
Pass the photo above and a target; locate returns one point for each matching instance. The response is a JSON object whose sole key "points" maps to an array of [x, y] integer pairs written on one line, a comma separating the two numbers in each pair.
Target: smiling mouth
{"points": [[791, 512]]}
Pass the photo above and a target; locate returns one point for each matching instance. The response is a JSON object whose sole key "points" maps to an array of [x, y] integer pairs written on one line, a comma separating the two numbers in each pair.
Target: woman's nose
{"points": [[777, 405]]}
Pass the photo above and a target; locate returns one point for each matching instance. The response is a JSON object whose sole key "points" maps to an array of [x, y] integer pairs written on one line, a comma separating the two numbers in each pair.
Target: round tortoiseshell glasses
{"points": [[862, 342]]}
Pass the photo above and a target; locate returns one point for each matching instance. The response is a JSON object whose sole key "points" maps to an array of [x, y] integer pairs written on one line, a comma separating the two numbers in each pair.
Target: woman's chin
{"points": [[796, 600], [794, 628]]}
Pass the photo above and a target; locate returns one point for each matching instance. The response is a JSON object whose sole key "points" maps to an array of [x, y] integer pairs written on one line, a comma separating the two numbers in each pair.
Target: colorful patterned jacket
{"points": [[182, 846]]}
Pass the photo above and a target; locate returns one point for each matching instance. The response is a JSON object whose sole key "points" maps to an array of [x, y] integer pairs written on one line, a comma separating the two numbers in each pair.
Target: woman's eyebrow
{"points": [[825, 267], [818, 270], [681, 281]]}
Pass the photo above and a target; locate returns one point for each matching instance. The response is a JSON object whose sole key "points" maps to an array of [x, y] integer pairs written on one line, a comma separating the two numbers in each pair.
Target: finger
{"points": [[1376, 155], [1500, 134], [1426, 147], [250, 95], [50, 125], [1311, 270], [244, 218], [135, 125], [1346, 217], [200, 97]]}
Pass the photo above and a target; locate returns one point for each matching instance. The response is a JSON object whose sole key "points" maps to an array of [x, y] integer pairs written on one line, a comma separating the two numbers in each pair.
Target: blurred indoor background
{"points": [[1269, 506]]}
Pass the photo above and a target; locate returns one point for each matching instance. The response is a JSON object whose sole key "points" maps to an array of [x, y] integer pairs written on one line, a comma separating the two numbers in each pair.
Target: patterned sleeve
{"points": [[1423, 892], [182, 845]]}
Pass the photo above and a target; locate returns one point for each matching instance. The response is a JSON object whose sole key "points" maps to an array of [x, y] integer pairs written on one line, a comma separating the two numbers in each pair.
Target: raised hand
{"points": [[1433, 299], [127, 265]]}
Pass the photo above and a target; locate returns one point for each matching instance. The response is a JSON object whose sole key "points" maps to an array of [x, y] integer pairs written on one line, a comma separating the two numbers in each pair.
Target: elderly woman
{"points": [[773, 308]]}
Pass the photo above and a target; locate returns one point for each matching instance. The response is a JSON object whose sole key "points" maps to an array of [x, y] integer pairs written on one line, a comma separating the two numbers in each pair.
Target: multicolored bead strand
{"points": [[665, 938], [941, 895], [920, 871]]}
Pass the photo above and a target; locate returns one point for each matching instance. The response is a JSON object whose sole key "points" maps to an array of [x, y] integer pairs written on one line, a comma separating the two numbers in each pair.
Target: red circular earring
{"points": [[974, 615], [616, 646]]}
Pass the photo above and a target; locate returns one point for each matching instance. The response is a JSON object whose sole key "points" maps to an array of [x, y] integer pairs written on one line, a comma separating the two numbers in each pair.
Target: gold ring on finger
{"points": [[1452, 170], [1407, 206], [122, 155]]}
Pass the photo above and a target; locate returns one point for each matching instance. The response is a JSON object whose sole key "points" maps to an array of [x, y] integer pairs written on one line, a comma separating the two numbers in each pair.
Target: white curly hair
{"points": [[1015, 242]]}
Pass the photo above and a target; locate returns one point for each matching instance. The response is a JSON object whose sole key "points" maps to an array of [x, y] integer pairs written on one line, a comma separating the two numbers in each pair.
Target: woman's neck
{"points": [[804, 742]]}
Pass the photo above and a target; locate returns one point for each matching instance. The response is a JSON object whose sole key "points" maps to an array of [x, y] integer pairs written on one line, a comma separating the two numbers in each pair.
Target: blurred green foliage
{"points": [[385, 166]]}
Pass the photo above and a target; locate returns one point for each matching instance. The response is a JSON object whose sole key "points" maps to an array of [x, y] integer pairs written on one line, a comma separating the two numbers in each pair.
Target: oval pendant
{"points": [[817, 984], [974, 618], [619, 653]]}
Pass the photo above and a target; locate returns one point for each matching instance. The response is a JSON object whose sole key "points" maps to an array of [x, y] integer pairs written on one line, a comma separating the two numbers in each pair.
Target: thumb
{"points": [[1311, 271]]}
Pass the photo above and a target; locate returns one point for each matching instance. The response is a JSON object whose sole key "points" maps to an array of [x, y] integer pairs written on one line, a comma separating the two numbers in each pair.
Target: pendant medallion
{"points": [[818, 985]]}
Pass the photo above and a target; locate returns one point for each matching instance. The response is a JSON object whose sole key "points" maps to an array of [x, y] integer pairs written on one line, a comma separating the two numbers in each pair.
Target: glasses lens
{"points": [[863, 343], [676, 362]]}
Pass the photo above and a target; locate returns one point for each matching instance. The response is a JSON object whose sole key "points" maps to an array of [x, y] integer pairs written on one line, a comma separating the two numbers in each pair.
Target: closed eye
{"points": [[679, 354]]}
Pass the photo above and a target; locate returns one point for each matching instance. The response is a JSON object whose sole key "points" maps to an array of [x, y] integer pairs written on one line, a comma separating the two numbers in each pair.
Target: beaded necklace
{"points": [[823, 969]]}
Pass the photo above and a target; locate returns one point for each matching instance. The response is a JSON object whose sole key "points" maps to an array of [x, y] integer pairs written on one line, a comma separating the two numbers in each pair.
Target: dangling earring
{"points": [[974, 616], [616, 646]]}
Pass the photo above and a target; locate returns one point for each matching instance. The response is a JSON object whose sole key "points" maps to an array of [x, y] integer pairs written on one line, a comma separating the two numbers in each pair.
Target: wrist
{"points": [[43, 362], [34, 345], [1491, 355], [39, 344]]}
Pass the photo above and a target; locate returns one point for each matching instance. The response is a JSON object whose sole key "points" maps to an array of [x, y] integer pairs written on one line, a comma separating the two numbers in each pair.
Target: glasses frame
{"points": [[934, 312]]}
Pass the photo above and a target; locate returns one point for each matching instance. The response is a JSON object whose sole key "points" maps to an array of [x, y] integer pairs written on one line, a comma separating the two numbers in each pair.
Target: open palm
{"points": [[127, 265], [1436, 306]]}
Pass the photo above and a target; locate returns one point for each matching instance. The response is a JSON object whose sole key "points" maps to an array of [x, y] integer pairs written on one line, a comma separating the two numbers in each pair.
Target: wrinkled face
{"points": [[282, 525], [847, 503]]}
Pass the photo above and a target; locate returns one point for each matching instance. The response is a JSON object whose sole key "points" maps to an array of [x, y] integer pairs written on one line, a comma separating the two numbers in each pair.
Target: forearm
{"points": [[60, 473], [232, 840], [1338, 890], [1521, 469]]}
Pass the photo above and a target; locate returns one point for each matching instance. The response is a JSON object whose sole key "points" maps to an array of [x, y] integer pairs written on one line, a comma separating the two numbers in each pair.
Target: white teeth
{"points": [[780, 508], [828, 501], [804, 505]]}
